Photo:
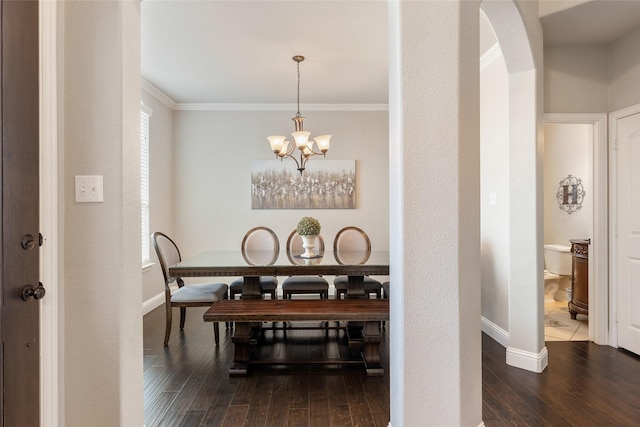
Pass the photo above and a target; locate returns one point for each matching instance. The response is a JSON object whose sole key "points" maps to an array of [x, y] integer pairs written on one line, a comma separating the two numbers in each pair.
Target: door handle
{"points": [[36, 293], [28, 241]]}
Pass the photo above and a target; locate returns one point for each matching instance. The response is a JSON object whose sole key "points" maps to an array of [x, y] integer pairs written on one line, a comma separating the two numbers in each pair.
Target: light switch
{"points": [[493, 198], [89, 189]]}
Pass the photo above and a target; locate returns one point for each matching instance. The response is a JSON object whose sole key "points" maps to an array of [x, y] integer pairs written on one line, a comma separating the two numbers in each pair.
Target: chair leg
{"points": [[167, 331], [216, 333], [183, 316]]}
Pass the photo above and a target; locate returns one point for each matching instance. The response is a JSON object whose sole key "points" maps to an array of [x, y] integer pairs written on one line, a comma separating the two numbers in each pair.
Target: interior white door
{"points": [[628, 221]]}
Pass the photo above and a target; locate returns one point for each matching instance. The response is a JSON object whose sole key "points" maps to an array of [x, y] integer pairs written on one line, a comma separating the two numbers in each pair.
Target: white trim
{"points": [[148, 111], [599, 302], [203, 106], [527, 360], [613, 212], [281, 107], [50, 379], [152, 303], [495, 331], [157, 93], [490, 55]]}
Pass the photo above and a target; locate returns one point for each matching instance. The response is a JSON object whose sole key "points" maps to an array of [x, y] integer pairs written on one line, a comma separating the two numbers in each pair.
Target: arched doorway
{"points": [[521, 45]]}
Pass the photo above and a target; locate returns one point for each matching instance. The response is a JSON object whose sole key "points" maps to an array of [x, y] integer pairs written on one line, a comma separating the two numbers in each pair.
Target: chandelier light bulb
{"points": [[323, 142], [301, 138], [284, 150], [276, 142]]}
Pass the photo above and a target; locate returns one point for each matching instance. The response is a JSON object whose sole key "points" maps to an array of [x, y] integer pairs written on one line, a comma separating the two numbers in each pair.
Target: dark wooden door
{"points": [[19, 254]]}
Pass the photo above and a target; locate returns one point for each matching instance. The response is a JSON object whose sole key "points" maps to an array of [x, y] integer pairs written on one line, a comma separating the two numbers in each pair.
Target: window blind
{"points": [[145, 114]]}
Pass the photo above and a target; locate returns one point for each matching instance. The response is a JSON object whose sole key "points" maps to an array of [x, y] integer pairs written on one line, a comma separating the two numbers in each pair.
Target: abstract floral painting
{"points": [[325, 184]]}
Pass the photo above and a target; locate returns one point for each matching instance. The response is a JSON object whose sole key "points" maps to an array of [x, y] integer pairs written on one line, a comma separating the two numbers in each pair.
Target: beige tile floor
{"points": [[558, 325]]}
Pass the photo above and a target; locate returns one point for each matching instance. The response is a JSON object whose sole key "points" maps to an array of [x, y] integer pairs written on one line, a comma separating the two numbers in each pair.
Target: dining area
{"points": [[298, 331], [357, 305]]}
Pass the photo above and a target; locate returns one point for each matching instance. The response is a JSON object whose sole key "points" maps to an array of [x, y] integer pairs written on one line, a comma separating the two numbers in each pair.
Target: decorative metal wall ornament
{"points": [[570, 194]]}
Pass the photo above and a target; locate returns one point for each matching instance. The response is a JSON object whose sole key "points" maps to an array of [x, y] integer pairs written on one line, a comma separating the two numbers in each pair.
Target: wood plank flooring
{"points": [[584, 385], [187, 383]]}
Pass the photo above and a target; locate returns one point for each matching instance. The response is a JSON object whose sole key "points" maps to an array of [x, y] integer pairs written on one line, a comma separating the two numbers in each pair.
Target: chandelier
{"points": [[280, 145]]}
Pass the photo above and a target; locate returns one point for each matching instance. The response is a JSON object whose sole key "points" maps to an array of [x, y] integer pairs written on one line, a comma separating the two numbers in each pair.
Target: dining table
{"points": [[251, 265]]}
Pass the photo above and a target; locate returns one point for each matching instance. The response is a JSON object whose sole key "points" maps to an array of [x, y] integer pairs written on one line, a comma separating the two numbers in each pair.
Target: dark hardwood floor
{"points": [[187, 383], [584, 385]]}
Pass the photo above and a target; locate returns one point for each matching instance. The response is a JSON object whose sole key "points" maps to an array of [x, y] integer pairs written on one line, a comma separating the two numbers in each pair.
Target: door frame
{"points": [[599, 298], [51, 382], [613, 255]]}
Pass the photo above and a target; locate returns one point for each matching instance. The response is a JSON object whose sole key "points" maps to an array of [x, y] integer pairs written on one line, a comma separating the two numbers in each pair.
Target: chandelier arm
{"points": [[294, 159]]}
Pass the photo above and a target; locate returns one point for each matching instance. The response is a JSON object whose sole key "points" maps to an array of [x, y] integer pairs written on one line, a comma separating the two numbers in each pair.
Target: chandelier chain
{"points": [[298, 113]]}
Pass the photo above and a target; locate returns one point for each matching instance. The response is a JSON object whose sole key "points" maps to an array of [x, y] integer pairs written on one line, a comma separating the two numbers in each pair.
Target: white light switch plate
{"points": [[493, 198], [89, 188]]}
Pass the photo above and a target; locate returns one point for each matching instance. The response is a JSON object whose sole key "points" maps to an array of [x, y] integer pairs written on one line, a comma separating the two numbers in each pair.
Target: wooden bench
{"points": [[364, 316]]}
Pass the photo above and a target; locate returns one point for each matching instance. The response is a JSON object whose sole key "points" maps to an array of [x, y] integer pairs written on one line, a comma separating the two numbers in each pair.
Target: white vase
{"points": [[308, 243]]}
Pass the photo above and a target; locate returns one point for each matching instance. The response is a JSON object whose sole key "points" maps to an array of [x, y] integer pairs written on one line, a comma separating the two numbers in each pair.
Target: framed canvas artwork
{"points": [[324, 184]]}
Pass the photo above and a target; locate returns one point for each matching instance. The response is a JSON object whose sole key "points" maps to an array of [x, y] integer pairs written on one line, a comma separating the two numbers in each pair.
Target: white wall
{"points": [[213, 151], [624, 70], [213, 154], [101, 349], [567, 149], [592, 78], [161, 190], [434, 153], [494, 179], [575, 79]]}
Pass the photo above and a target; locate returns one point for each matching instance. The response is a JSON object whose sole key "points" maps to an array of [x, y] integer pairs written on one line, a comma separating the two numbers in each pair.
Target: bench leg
{"points": [[241, 341], [371, 349]]}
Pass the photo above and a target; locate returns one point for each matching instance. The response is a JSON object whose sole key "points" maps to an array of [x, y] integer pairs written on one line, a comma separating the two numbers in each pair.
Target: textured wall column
{"points": [[434, 213], [102, 272]]}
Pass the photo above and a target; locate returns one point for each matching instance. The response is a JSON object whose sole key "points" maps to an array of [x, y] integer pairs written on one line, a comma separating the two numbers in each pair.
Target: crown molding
{"points": [[280, 107], [157, 93], [203, 106], [487, 58]]}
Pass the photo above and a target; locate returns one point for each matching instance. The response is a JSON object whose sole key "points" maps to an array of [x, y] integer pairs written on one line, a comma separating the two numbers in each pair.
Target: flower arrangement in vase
{"points": [[308, 228]]}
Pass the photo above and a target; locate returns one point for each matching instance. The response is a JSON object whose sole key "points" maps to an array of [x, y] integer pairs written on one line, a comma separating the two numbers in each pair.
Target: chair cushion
{"points": [[201, 292], [305, 283], [267, 283], [340, 282]]}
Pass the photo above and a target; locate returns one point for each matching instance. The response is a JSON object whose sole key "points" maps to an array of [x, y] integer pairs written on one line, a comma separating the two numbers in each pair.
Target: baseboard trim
{"points": [[527, 360], [152, 303], [495, 331]]}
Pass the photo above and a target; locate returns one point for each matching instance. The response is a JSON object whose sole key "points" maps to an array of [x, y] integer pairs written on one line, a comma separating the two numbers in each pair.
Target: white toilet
{"points": [[557, 272]]}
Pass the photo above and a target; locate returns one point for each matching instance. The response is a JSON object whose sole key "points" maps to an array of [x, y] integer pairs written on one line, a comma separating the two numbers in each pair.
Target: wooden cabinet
{"points": [[579, 277]]}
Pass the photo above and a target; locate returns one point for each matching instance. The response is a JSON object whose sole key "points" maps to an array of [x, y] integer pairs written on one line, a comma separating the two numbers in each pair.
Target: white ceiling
{"points": [[239, 52]]}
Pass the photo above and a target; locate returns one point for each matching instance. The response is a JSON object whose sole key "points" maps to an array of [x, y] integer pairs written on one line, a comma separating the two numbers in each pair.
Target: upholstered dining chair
{"points": [[352, 246], [295, 285], [187, 295], [260, 246]]}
